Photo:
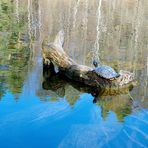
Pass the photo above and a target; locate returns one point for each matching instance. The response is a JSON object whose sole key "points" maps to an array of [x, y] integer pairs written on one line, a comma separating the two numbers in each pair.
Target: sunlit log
{"points": [[55, 54]]}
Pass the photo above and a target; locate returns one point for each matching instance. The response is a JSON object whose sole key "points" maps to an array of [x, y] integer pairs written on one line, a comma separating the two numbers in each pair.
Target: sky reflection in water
{"points": [[41, 111]]}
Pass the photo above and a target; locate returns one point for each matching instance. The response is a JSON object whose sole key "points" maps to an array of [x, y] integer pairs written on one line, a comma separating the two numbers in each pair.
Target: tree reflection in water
{"points": [[111, 99], [123, 41]]}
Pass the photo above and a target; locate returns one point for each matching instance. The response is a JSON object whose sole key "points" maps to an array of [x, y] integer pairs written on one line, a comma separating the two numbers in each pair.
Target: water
{"points": [[98, 29], [38, 109]]}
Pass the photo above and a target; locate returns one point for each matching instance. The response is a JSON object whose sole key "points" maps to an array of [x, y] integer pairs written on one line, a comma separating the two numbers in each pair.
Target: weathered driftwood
{"points": [[53, 53]]}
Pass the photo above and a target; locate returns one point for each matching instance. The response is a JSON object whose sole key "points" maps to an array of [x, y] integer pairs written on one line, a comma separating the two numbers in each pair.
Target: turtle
{"points": [[105, 71]]}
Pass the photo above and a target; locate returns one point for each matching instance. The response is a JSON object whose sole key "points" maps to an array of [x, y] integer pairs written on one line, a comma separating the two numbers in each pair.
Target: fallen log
{"points": [[53, 53]]}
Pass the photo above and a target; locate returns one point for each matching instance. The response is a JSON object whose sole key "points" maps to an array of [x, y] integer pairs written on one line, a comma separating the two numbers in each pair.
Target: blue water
{"points": [[31, 122], [61, 113]]}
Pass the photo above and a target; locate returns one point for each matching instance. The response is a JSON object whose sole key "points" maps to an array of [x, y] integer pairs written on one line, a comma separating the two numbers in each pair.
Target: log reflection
{"points": [[116, 100]]}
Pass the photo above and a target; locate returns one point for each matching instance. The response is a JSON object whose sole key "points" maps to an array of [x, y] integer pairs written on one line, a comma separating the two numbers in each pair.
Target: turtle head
{"points": [[95, 63]]}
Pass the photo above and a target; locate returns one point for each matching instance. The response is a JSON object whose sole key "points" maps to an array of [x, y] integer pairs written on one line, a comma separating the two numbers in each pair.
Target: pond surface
{"points": [[38, 109]]}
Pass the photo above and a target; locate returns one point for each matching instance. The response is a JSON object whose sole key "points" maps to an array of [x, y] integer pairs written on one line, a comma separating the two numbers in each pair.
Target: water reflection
{"points": [[16, 46], [112, 99], [33, 104], [121, 37]]}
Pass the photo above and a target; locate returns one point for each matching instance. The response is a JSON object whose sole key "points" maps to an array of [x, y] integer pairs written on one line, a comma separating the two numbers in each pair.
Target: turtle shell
{"points": [[106, 72]]}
